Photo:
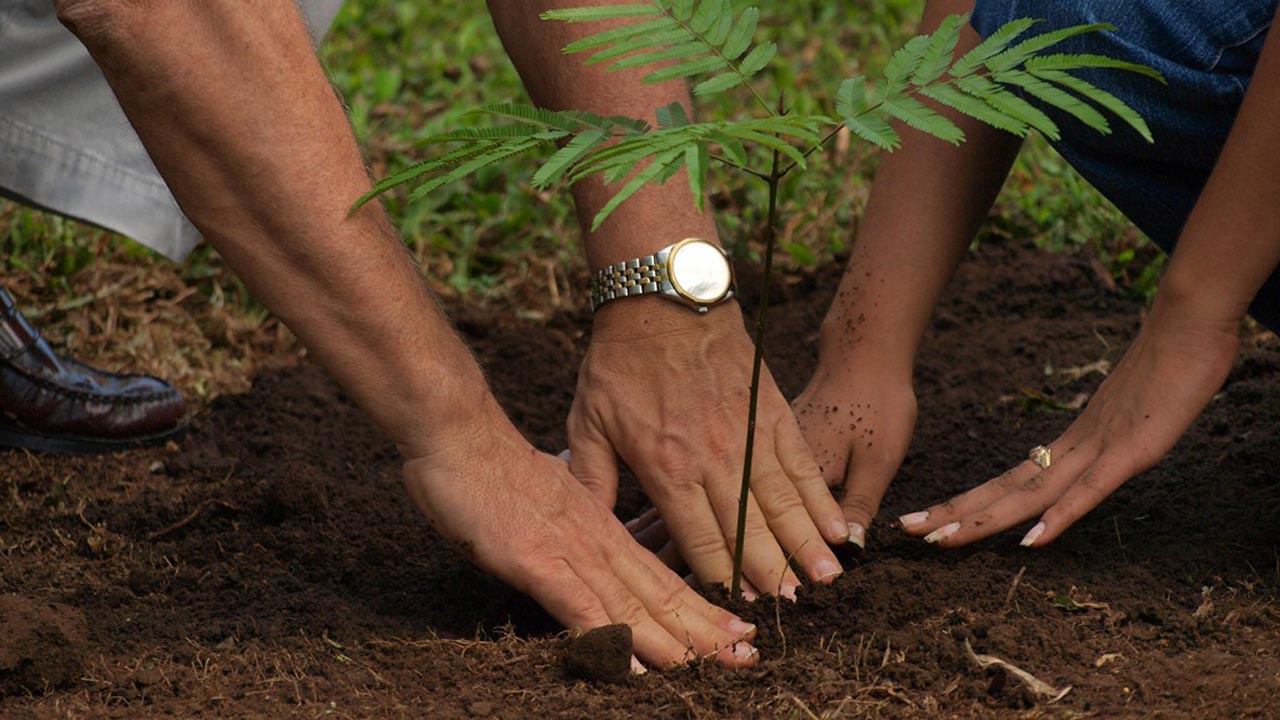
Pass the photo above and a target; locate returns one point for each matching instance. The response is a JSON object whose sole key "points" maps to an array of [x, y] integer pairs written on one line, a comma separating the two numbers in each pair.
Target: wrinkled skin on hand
{"points": [[667, 391], [1163, 382], [528, 521], [857, 416]]}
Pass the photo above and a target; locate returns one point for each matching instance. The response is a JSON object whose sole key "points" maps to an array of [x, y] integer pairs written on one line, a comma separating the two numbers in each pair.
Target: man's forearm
{"points": [[237, 114], [926, 204], [658, 215], [1231, 242]]}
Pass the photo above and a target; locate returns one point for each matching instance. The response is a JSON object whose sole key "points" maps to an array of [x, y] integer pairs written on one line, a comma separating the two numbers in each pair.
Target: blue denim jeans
{"points": [[1207, 49]]}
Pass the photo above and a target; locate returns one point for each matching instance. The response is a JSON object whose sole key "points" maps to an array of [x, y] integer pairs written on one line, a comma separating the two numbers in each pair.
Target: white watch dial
{"points": [[700, 271]]}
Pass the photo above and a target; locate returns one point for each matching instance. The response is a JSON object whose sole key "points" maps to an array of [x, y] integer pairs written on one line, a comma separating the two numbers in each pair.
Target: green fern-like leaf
{"points": [[937, 54], [1102, 97], [851, 98], [1024, 50], [916, 114], [1056, 97], [494, 133], [692, 38], [993, 45], [1006, 102], [1081, 61], [697, 161], [975, 108], [905, 61], [558, 164], [875, 130], [656, 169], [604, 12], [489, 157]]}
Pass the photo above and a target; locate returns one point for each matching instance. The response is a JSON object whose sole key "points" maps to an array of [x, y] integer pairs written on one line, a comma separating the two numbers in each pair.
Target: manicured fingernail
{"points": [[1033, 535], [741, 627], [743, 651], [942, 533], [827, 568], [914, 519], [636, 667], [858, 535], [788, 592]]}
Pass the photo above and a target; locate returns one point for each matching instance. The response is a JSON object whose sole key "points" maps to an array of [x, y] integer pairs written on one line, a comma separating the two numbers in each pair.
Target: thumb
{"points": [[594, 463], [865, 485]]}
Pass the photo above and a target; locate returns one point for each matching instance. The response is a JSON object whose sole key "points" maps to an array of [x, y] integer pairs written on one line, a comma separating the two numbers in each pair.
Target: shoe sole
{"points": [[72, 445]]}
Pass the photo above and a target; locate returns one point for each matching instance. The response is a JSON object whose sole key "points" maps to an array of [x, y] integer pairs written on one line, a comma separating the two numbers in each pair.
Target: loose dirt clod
{"points": [[41, 645], [601, 655]]}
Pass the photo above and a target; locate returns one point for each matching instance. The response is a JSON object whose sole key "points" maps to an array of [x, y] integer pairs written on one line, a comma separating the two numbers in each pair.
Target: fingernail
{"points": [[838, 530], [743, 651], [749, 594], [741, 627], [942, 533], [636, 667], [788, 592], [827, 568], [914, 519], [858, 535], [1033, 535]]}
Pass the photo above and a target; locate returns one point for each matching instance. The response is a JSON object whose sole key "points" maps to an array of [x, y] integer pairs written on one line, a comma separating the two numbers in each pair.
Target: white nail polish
{"points": [[914, 519], [942, 533], [1033, 535], [858, 535]]}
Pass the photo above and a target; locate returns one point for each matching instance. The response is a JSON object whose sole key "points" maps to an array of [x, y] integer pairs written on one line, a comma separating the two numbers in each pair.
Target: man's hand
{"points": [[1162, 384], [857, 415], [667, 391], [524, 517]]}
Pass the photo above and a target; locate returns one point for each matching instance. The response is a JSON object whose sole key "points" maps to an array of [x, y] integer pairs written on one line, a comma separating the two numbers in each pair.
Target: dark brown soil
{"points": [[271, 566]]}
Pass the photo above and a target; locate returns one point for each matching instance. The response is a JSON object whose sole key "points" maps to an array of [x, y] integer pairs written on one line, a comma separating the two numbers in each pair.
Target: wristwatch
{"points": [[692, 272]]}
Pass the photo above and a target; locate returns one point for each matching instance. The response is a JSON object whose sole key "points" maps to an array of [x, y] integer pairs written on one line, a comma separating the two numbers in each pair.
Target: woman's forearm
{"points": [[1231, 242], [928, 200]]}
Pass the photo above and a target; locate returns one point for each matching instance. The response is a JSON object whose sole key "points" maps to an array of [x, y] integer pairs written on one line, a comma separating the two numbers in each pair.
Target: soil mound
{"points": [[42, 645]]}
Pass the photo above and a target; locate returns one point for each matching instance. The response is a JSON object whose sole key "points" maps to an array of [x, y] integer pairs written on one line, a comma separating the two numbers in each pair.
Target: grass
{"points": [[494, 238]]}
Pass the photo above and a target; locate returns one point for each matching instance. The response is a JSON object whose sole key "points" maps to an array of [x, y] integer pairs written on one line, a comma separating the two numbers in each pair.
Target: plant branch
{"points": [[736, 166], [774, 179]]}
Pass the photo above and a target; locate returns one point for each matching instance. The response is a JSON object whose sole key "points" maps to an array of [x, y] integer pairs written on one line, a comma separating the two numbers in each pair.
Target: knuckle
{"points": [[861, 504], [87, 18], [1033, 483], [703, 544]]}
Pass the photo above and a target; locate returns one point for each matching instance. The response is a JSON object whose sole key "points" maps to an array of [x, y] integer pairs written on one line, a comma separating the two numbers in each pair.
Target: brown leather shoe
{"points": [[55, 404]]}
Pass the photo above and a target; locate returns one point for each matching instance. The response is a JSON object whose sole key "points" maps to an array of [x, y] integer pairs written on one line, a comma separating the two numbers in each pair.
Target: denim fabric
{"points": [[1207, 49]]}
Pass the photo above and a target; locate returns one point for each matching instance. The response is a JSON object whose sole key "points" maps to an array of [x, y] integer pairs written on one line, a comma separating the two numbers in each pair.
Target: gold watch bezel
{"points": [[675, 284]]}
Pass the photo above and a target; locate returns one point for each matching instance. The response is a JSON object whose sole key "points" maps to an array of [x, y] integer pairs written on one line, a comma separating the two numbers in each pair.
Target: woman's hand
{"points": [[1173, 369], [858, 419]]}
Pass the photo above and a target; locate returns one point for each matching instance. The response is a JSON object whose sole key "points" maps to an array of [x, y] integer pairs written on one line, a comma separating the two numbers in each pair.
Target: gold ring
{"points": [[1041, 456]]}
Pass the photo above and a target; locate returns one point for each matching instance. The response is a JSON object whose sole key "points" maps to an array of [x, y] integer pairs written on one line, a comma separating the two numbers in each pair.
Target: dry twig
{"points": [[1035, 684]]}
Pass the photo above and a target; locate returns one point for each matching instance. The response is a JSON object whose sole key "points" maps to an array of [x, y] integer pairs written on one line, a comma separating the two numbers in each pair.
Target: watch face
{"points": [[700, 271]]}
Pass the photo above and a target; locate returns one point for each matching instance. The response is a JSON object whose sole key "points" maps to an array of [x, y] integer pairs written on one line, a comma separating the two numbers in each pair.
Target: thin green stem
{"points": [[770, 235], [736, 166]]}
